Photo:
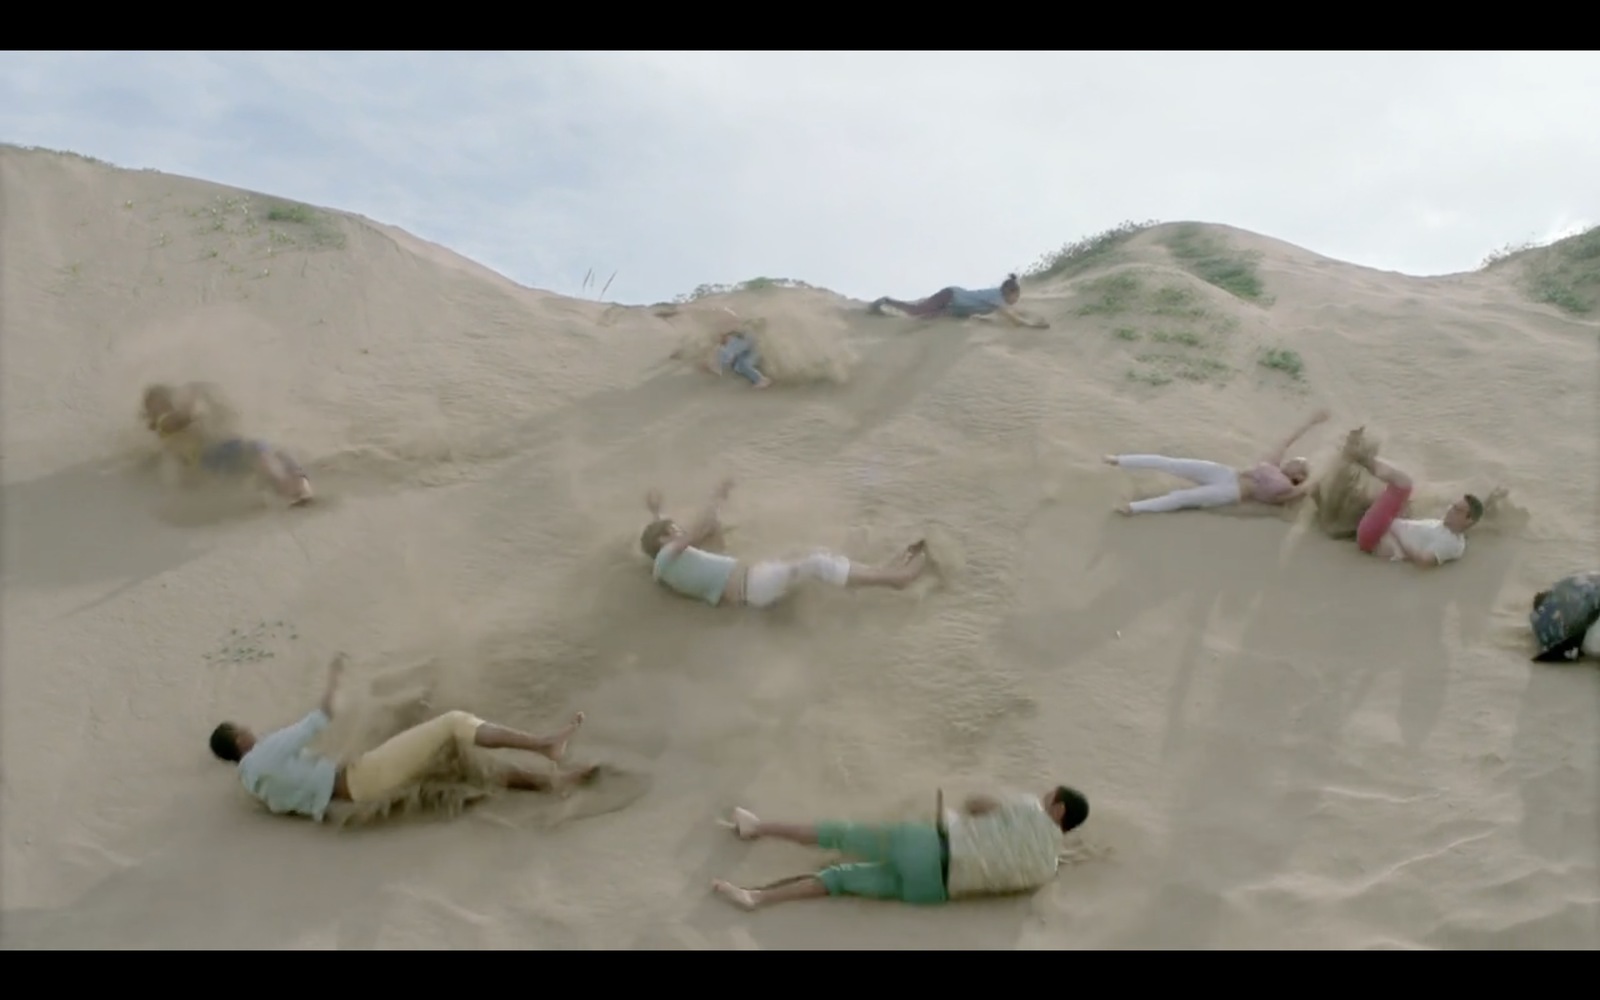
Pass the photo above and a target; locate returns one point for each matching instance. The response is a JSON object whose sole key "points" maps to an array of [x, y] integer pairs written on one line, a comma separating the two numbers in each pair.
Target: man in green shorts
{"points": [[991, 846]]}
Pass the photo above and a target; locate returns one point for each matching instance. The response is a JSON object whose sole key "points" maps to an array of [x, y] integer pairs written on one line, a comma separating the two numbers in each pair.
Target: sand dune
{"points": [[1287, 744]]}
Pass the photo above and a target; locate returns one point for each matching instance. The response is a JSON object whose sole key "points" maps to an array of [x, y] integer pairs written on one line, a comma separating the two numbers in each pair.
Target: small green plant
{"points": [[1566, 274], [291, 212], [751, 285], [1112, 294], [298, 225], [1182, 338], [1213, 262], [1177, 301], [54, 152], [1188, 368], [1285, 360], [1077, 257], [1148, 377], [1125, 333]]}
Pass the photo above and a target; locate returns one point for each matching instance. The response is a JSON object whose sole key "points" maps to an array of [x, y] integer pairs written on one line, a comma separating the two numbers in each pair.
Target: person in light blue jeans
{"points": [[962, 303], [737, 352]]}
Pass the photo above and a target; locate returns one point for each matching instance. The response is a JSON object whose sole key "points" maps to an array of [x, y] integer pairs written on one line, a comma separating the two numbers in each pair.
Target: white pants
{"points": [[1217, 485], [770, 581]]}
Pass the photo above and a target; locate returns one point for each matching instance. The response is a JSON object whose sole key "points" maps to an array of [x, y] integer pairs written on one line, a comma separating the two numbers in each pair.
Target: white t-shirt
{"points": [[1429, 535], [1011, 849]]}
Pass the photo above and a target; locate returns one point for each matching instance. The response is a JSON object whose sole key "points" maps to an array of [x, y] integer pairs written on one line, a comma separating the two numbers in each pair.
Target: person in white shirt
{"points": [[992, 846], [1421, 542]]}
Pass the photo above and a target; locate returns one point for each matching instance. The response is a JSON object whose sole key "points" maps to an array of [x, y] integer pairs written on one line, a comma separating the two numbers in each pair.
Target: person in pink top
{"points": [[1273, 480]]}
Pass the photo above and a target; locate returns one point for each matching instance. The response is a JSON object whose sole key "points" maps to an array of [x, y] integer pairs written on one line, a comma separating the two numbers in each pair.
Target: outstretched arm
{"points": [[1275, 456], [335, 672], [1017, 319], [705, 525]]}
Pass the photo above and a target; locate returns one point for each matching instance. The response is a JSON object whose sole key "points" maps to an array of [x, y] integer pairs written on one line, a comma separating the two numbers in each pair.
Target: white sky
{"points": [[871, 174]]}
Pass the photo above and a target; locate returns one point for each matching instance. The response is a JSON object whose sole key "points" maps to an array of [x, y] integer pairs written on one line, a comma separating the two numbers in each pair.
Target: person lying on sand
{"points": [[1421, 542], [172, 412], [991, 846], [1565, 619], [681, 565], [286, 777], [1271, 480], [737, 352], [961, 303]]}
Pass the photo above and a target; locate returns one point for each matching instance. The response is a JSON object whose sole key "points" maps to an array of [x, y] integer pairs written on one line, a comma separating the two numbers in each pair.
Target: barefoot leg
{"points": [[493, 737], [788, 890], [898, 574]]}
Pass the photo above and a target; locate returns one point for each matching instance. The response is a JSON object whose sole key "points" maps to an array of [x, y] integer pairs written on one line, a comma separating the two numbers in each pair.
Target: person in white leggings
{"points": [[682, 560], [1273, 480]]}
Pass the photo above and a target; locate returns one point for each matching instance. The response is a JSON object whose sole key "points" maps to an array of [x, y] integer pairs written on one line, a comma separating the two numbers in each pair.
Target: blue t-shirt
{"points": [[287, 777], [969, 303]]}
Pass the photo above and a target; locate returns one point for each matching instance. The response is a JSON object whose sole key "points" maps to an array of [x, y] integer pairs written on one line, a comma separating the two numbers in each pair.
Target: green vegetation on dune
{"points": [[1285, 360], [1210, 259], [1181, 338], [1092, 251], [1564, 274], [751, 285]]}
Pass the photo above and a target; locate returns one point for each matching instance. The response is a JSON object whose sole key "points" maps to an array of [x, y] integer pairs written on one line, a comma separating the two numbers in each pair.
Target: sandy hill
{"points": [[1286, 743]]}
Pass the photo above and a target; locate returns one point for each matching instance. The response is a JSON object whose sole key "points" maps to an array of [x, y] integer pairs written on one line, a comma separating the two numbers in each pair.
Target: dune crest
{"points": [[1286, 743]]}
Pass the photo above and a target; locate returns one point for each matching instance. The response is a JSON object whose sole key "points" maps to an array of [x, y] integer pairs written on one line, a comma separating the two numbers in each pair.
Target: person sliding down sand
{"points": [[960, 303], [173, 413], [1270, 481], [682, 565], [279, 771], [1383, 532], [737, 352], [992, 846]]}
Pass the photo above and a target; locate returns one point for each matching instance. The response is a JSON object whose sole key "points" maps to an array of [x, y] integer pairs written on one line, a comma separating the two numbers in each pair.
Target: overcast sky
{"points": [[871, 174]]}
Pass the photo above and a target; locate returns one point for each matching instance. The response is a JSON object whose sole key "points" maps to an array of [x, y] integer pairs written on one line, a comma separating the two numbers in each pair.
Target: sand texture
{"points": [[1286, 743]]}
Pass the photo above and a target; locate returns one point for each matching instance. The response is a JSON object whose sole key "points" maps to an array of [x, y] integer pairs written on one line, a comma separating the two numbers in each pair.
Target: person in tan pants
{"points": [[288, 778]]}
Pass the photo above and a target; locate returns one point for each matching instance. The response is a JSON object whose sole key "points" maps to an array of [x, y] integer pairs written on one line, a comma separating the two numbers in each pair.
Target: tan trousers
{"points": [[404, 758]]}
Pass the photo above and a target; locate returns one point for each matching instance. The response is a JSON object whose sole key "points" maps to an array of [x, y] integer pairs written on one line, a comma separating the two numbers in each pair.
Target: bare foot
{"points": [[558, 743], [301, 494], [745, 824], [1125, 509], [763, 383], [1356, 449], [1109, 459], [744, 899]]}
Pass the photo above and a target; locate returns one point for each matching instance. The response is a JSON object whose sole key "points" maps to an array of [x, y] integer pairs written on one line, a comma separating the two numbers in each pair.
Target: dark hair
{"points": [[1475, 506], [225, 742], [654, 532], [1010, 284], [1540, 598], [1076, 808]]}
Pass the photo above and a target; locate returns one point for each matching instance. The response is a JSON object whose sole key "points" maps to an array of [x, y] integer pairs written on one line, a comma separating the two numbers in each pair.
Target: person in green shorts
{"points": [[991, 846]]}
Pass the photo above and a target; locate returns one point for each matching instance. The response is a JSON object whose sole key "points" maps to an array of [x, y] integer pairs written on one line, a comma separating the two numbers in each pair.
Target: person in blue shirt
{"points": [[286, 777], [961, 303], [736, 352]]}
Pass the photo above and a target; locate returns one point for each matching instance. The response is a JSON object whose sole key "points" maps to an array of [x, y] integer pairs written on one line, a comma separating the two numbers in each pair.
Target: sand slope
{"points": [[1286, 744]]}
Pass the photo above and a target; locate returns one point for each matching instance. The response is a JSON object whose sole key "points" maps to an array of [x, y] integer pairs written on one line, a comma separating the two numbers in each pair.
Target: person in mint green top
{"points": [[683, 560]]}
